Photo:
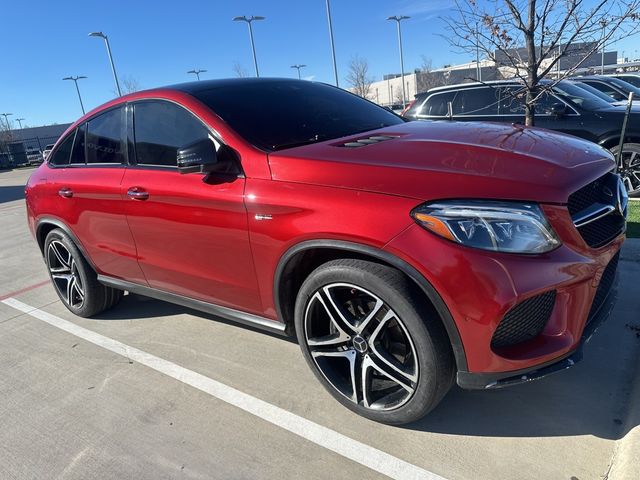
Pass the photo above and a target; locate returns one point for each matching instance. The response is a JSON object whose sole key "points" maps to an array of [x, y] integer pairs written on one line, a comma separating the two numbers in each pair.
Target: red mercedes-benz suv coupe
{"points": [[403, 255]]}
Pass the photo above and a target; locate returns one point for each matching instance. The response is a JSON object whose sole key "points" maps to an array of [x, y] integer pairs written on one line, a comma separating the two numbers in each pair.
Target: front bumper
{"points": [[481, 381], [480, 287]]}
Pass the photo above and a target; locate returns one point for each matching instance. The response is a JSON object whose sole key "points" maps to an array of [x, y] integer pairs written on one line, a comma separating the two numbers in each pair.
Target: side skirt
{"points": [[244, 318]]}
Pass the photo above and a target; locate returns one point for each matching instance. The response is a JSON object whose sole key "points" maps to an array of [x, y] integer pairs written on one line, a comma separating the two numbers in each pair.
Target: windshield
{"points": [[593, 91], [632, 79], [579, 96], [624, 86], [274, 115]]}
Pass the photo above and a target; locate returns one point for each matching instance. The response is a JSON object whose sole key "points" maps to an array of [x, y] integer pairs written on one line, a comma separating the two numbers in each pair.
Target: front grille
{"points": [[606, 282], [602, 231], [586, 196], [524, 321], [600, 194]]}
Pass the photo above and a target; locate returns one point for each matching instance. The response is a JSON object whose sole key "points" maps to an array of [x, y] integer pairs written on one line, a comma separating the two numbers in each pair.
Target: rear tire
{"points": [[629, 169], [373, 341], [75, 282]]}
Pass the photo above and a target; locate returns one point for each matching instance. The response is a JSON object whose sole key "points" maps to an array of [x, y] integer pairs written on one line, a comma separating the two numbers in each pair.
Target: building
{"points": [[581, 57], [20, 146], [577, 55], [388, 91], [34, 137]]}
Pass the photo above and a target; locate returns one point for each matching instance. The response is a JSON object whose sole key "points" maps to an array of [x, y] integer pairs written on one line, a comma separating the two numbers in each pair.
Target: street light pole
{"points": [[197, 72], [478, 70], [333, 47], [75, 80], [19, 120], [398, 19], [603, 23], [249, 21], [113, 67], [298, 67]]}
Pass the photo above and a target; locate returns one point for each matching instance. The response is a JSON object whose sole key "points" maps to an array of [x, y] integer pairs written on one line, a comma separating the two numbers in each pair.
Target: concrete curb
{"points": [[625, 463]]}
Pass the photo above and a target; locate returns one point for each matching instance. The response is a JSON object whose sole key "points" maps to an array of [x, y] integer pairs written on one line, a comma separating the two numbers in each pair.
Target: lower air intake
{"points": [[524, 321]]}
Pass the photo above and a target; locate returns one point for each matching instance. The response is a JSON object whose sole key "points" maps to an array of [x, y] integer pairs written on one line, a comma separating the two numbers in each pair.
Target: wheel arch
{"points": [[46, 224], [301, 259], [613, 140]]}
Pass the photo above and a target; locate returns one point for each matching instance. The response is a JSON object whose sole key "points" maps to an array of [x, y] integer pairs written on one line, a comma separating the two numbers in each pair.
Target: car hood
{"points": [[443, 159]]}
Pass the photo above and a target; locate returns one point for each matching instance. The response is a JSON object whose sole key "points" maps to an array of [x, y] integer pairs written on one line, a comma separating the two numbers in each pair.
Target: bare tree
{"points": [[427, 79], [358, 77], [130, 84], [239, 70], [6, 133], [529, 37]]}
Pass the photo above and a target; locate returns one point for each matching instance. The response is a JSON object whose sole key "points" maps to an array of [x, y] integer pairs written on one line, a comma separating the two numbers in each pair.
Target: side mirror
{"points": [[199, 157], [558, 109]]}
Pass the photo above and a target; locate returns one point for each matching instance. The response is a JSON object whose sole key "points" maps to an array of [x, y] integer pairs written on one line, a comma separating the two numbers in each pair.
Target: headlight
{"points": [[500, 226]]}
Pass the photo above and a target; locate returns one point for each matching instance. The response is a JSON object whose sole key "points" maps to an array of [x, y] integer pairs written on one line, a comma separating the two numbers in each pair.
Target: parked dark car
{"points": [[616, 88], [630, 77], [405, 256], [604, 96], [567, 109]]}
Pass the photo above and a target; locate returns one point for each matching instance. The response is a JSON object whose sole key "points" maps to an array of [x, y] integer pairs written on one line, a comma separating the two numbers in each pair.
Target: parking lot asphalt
{"points": [[135, 398]]}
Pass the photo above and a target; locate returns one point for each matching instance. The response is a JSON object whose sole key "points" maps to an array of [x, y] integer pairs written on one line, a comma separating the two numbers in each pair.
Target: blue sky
{"points": [[157, 42]]}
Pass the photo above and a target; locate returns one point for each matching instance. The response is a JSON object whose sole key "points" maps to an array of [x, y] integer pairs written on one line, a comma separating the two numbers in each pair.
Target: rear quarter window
{"points": [[437, 105], [105, 138], [61, 154]]}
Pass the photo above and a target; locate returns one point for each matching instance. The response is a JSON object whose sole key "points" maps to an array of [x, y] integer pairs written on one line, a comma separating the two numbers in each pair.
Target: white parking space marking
{"points": [[361, 453]]}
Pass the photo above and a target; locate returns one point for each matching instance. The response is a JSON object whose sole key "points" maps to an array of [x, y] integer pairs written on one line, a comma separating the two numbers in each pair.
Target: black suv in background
{"points": [[567, 109]]}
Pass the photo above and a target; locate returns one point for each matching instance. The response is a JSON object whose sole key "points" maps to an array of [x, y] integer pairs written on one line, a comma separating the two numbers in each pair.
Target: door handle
{"points": [[137, 193], [65, 192]]}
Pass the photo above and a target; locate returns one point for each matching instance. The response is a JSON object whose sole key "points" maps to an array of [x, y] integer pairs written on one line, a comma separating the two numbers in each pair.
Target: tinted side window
{"points": [[77, 154], [545, 102], [607, 90], [415, 108], [438, 104], [160, 129], [512, 101], [63, 152], [476, 101], [104, 137]]}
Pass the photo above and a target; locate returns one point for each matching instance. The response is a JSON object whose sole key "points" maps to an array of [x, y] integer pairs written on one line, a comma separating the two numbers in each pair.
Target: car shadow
{"points": [[11, 193], [134, 307], [588, 399], [591, 398]]}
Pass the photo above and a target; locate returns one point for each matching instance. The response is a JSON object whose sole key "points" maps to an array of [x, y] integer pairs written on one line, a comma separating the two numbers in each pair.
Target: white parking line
{"points": [[342, 445]]}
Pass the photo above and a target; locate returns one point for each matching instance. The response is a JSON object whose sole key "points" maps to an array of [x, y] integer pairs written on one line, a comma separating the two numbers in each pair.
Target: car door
{"points": [[91, 202], [191, 229], [476, 104], [511, 109]]}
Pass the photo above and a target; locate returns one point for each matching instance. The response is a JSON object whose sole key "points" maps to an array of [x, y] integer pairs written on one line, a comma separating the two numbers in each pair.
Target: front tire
{"points": [[74, 280], [372, 340], [629, 167]]}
